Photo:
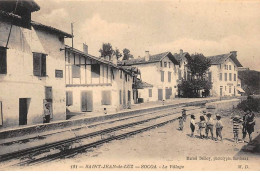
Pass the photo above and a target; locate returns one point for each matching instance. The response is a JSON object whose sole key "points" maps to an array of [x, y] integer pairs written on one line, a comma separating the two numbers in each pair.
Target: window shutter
{"points": [[162, 76], [36, 64], [106, 98], [120, 97], [3, 61], [43, 63], [150, 93], [75, 71]]}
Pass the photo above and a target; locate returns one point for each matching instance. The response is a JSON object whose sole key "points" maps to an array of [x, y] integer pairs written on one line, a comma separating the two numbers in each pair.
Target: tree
{"points": [[198, 65], [106, 50], [117, 53], [127, 55]]}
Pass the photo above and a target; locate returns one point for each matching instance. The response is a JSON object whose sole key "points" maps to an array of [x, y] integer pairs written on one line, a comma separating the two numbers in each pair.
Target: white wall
{"points": [[19, 82]]}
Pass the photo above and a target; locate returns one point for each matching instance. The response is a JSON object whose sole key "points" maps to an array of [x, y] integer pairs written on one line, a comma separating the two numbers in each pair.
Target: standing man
{"points": [[250, 123], [209, 126], [47, 113]]}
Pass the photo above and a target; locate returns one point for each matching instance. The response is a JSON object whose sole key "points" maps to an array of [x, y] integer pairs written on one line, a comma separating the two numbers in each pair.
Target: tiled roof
{"points": [[219, 59], [152, 59], [38, 25], [98, 59], [141, 85]]}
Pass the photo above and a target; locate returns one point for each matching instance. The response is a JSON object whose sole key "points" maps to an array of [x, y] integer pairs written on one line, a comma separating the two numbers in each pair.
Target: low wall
{"points": [[83, 121]]}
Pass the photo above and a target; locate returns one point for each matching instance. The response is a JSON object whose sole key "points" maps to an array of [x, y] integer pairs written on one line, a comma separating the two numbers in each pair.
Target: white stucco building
{"points": [[160, 71], [223, 74], [94, 83], [31, 67]]}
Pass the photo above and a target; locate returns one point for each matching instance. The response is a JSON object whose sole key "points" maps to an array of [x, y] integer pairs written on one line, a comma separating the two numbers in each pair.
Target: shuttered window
{"points": [[95, 71], [230, 76], [169, 76], [162, 76], [150, 93], [210, 77], [69, 98], [225, 76], [75, 71], [106, 98], [120, 96], [39, 64], [1, 114], [220, 76], [3, 61]]}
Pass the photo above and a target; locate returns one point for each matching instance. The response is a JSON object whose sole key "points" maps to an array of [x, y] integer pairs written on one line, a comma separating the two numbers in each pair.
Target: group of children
{"points": [[206, 125]]}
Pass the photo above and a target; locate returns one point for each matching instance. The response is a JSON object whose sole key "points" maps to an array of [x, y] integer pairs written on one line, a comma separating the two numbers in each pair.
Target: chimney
{"points": [[147, 56], [181, 52], [85, 48], [234, 53]]}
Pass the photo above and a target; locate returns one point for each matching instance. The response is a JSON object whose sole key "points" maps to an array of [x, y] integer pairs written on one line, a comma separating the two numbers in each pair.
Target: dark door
{"points": [[87, 101], [160, 94], [23, 111]]}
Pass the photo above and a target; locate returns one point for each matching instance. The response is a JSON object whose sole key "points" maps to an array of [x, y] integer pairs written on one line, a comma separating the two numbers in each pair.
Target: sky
{"points": [[209, 27]]}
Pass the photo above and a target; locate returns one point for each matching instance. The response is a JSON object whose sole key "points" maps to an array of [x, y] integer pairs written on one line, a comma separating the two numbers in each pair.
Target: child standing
{"points": [[202, 126], [192, 125], [219, 127], [236, 125], [181, 123], [184, 115]]}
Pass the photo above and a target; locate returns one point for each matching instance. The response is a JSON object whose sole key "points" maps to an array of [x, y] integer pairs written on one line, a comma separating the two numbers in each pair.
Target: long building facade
{"points": [[95, 84], [160, 71], [223, 74]]}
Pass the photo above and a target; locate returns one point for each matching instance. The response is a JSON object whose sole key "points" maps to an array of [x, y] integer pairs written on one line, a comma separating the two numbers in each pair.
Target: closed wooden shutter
{"points": [[75, 71], [169, 76], [3, 61], [210, 77], [129, 95], [43, 65], [150, 92], [120, 97], [106, 98], [69, 98], [162, 76], [1, 114], [37, 64]]}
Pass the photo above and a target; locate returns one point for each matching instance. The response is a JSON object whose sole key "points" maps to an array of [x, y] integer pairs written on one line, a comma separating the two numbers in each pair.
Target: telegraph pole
{"points": [[72, 35]]}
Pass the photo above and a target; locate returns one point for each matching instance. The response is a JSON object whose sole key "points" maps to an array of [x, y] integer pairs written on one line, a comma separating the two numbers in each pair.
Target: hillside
{"points": [[250, 81]]}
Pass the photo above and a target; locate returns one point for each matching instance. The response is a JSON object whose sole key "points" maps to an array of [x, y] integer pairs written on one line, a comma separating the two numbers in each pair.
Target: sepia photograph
{"points": [[129, 85]]}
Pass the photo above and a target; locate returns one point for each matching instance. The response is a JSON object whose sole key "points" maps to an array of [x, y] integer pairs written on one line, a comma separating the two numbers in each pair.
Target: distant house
{"points": [[94, 84], [31, 67], [223, 74], [160, 71]]}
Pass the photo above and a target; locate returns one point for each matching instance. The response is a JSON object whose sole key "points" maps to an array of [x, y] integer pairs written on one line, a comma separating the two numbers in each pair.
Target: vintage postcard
{"points": [[142, 85]]}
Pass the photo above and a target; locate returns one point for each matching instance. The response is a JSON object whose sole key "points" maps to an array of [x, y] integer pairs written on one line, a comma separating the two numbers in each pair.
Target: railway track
{"points": [[95, 135]]}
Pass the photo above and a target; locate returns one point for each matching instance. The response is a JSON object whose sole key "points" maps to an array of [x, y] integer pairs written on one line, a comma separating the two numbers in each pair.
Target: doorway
{"points": [[86, 101], [23, 110]]}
